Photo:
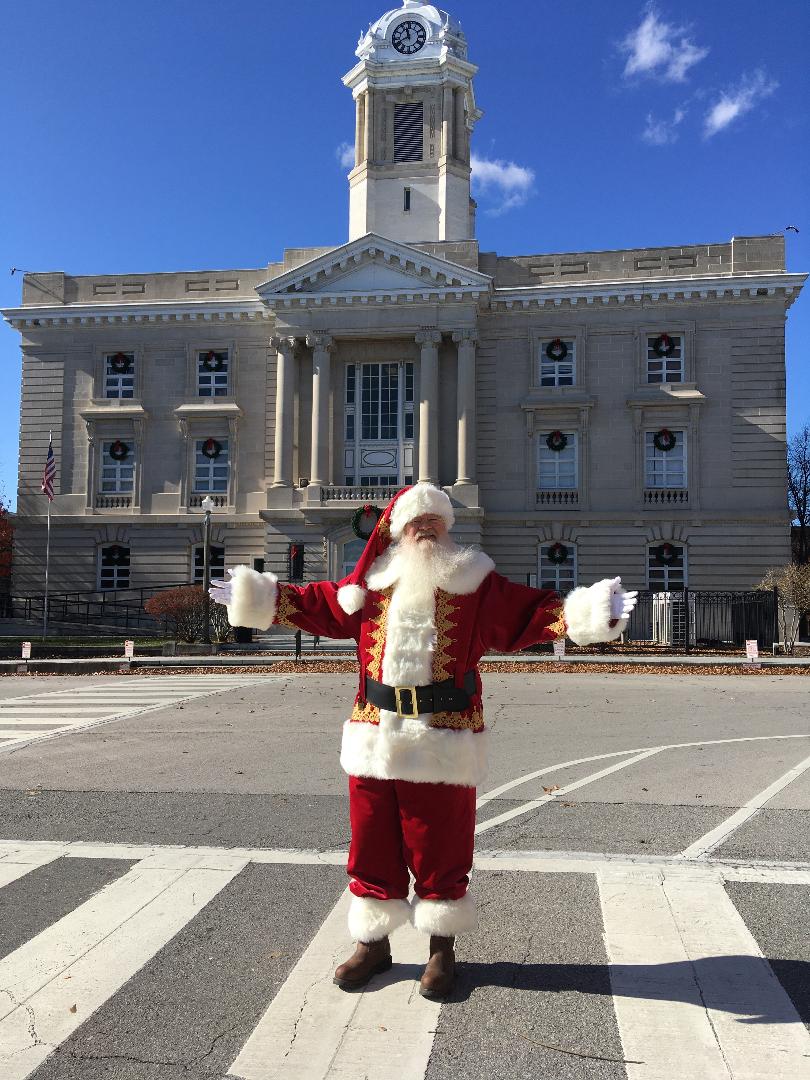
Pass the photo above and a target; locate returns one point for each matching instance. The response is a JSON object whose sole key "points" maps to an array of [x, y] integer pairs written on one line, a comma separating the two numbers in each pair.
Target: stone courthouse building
{"points": [[588, 412]]}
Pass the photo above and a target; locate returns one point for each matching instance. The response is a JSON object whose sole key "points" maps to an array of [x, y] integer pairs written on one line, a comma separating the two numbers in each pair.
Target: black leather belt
{"points": [[410, 701]]}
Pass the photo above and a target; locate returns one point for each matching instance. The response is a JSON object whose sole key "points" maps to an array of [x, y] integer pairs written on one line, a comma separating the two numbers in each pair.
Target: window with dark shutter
{"points": [[408, 121]]}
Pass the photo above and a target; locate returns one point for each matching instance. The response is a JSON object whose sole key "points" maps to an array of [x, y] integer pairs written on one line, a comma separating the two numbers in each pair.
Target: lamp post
{"points": [[207, 506]]}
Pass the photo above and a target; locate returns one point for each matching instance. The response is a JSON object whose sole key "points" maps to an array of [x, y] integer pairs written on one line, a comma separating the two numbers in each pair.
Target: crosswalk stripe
{"points": [[59, 978], [12, 871], [313, 1030], [717, 836], [688, 979], [63, 712]]}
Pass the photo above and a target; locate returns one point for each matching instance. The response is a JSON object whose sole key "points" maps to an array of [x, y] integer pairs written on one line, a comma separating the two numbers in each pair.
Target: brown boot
{"points": [[369, 958], [440, 973]]}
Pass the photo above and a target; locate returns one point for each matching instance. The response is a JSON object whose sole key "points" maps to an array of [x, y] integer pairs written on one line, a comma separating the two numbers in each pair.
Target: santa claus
{"points": [[423, 611]]}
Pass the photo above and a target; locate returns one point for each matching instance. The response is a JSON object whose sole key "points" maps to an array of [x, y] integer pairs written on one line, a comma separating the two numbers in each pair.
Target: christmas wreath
{"points": [[212, 361], [666, 554], [211, 448], [120, 363], [119, 450], [556, 441], [117, 555], [664, 440], [557, 553], [663, 345], [364, 520], [556, 349]]}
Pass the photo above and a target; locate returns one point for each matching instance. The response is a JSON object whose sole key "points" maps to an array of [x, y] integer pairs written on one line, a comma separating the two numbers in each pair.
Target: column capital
{"points": [[324, 342], [284, 343], [466, 337], [428, 335]]}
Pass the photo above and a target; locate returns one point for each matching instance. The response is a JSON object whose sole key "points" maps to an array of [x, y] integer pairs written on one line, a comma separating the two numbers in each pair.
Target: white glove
{"points": [[221, 591], [621, 602]]}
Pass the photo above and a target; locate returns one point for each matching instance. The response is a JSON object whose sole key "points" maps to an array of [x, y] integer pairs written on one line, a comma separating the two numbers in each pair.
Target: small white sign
{"points": [[26, 650], [752, 650], [129, 649], [559, 649]]}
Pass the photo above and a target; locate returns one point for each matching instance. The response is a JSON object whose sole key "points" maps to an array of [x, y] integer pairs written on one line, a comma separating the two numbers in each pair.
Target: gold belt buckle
{"points": [[398, 692]]}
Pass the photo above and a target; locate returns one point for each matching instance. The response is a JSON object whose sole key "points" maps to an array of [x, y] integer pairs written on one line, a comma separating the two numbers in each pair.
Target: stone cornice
{"points": [[60, 315], [715, 287]]}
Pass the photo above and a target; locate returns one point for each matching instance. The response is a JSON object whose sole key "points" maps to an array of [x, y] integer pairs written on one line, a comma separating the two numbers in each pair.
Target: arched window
{"points": [[558, 566], [666, 567], [113, 567], [217, 562], [352, 550]]}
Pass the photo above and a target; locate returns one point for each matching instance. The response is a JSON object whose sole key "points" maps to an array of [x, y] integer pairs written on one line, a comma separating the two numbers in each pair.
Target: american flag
{"points": [[49, 473]]}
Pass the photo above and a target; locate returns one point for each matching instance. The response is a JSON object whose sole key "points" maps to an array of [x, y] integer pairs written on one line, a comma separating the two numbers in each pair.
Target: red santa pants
{"points": [[398, 825]]}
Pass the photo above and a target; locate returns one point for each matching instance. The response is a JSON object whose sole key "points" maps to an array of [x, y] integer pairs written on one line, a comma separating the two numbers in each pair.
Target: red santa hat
{"points": [[407, 504]]}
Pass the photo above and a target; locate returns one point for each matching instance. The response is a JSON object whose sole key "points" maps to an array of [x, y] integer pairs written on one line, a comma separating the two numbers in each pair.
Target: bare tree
{"points": [[799, 489], [792, 583]]}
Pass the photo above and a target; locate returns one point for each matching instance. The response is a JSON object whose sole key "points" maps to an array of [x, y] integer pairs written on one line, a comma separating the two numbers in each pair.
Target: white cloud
{"points": [[661, 132], [511, 184], [737, 102], [660, 49], [345, 155]]}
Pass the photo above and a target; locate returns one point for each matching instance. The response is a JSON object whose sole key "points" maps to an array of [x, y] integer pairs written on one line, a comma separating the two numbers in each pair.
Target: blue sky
{"points": [[179, 135]]}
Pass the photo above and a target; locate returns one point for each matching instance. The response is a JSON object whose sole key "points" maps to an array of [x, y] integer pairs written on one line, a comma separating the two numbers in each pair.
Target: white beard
{"points": [[422, 566]]}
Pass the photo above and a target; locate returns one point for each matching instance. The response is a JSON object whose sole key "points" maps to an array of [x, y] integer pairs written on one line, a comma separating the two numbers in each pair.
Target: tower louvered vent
{"points": [[408, 121]]}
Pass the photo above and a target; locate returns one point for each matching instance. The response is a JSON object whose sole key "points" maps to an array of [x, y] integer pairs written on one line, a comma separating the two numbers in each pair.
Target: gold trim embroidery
{"points": [[466, 721], [377, 636], [287, 608], [557, 626], [368, 714], [443, 656]]}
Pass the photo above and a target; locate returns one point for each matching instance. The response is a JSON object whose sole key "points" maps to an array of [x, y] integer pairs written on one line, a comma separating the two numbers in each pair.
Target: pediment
{"points": [[372, 267]]}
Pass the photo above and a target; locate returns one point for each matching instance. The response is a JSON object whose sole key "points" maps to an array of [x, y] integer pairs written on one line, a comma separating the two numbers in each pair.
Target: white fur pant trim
{"points": [[445, 918], [371, 919]]}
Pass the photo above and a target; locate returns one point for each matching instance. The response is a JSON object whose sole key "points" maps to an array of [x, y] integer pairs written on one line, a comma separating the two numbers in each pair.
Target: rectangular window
{"points": [[406, 199], [119, 375], [408, 125], [211, 466], [212, 373], [666, 567], [379, 401], [113, 567], [217, 562], [665, 358], [558, 567], [557, 469], [117, 468], [557, 362], [665, 468]]}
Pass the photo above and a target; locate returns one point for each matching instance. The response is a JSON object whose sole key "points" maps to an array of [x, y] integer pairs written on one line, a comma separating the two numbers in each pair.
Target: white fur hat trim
{"points": [[351, 598], [418, 500]]}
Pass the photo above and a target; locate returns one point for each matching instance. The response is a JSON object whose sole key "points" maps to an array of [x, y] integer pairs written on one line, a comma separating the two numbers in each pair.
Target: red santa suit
{"points": [[413, 771]]}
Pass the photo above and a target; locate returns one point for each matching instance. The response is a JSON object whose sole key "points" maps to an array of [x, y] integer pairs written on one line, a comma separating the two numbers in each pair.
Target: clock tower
{"points": [[415, 111]]}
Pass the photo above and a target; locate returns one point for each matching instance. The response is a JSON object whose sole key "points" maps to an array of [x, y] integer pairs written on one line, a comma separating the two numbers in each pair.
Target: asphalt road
{"points": [[643, 843]]}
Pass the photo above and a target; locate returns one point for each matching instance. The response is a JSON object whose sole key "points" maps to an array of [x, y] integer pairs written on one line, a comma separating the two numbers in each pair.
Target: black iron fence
{"points": [[689, 618], [113, 610]]}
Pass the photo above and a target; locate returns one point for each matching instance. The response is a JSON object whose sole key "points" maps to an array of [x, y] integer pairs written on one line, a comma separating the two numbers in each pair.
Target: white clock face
{"points": [[408, 37]]}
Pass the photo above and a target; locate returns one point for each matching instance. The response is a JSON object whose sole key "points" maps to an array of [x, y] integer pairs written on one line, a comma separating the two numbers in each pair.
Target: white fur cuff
{"points": [[372, 920], [445, 918], [587, 614], [253, 598], [351, 598]]}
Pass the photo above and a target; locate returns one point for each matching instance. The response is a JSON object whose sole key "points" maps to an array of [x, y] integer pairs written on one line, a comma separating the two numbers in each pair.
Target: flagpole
{"points": [[47, 568]]}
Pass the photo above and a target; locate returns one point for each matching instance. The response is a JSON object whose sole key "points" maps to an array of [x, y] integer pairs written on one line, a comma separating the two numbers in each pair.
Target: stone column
{"points": [[322, 346], [359, 130], [466, 341], [285, 383], [429, 405]]}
